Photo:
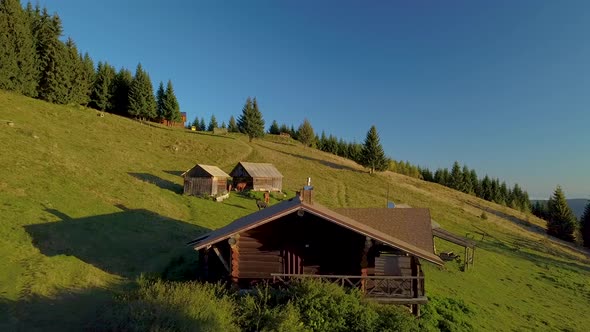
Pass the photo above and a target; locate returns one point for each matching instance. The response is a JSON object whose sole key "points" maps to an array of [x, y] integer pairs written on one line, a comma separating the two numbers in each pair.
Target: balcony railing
{"points": [[391, 287]]}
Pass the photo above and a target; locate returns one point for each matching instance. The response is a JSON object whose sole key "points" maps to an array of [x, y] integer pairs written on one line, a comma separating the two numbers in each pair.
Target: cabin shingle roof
{"points": [[409, 231]]}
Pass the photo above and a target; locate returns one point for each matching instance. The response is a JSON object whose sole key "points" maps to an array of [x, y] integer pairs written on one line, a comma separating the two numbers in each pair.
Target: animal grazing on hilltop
{"points": [[261, 204]]}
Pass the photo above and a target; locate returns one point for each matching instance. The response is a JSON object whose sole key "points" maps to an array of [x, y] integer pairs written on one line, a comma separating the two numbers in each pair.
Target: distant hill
{"points": [[576, 204]]}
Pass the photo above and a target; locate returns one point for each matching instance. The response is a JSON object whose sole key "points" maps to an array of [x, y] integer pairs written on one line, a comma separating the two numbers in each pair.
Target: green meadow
{"points": [[90, 203]]}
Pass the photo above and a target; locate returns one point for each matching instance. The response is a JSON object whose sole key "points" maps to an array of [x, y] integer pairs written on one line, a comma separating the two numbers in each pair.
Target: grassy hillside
{"points": [[89, 203]]}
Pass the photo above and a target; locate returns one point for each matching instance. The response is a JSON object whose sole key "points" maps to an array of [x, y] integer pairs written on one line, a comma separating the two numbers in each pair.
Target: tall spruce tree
{"points": [[274, 128], [456, 177], [88, 75], [372, 153], [202, 125], [103, 86], [142, 103], [475, 183], [120, 92], [213, 123], [51, 53], [561, 221], [585, 226], [305, 133], [79, 83], [160, 96], [232, 126], [171, 106], [18, 58], [486, 188], [467, 182], [251, 122]]}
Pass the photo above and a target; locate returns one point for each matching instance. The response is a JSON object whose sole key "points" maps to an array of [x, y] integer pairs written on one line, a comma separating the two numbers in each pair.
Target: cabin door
{"points": [[292, 262]]}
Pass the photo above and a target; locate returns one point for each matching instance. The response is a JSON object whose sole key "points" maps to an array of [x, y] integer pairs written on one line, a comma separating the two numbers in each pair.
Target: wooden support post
{"points": [[223, 261], [365, 261], [234, 242], [206, 263]]}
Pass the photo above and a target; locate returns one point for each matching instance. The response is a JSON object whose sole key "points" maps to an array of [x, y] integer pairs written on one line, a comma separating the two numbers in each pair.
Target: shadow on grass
{"points": [[158, 181], [75, 310], [126, 243], [323, 162], [97, 309]]}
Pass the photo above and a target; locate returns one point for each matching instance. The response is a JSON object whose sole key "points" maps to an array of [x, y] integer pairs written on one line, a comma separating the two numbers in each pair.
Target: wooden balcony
{"points": [[384, 289]]}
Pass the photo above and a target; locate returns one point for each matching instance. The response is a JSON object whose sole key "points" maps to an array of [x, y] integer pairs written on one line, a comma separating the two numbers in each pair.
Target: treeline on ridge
{"points": [[36, 63]]}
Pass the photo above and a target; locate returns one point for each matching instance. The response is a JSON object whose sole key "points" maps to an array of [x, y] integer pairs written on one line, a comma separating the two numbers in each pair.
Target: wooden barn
{"points": [[205, 180], [378, 250], [257, 177]]}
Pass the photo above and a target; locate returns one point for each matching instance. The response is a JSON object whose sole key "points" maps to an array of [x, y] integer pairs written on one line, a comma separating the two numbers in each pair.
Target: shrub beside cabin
{"points": [[377, 250], [257, 177], [205, 180]]}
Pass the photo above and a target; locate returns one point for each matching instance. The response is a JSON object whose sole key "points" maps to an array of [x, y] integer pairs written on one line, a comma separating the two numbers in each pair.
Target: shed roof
{"points": [[260, 170], [211, 170], [417, 244]]}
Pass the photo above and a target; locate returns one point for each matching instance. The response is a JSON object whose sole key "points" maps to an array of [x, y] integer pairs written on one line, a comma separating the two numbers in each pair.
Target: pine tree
{"points": [[486, 188], [373, 156], [196, 123], [456, 177], [223, 125], [213, 123], [475, 183], [142, 103], [561, 221], [202, 125], [274, 128], [171, 106], [18, 58], [232, 127], [427, 175], [87, 75], [585, 226], [119, 101], [284, 129], [103, 86], [305, 133], [251, 122], [51, 53], [77, 84], [160, 96], [355, 152]]}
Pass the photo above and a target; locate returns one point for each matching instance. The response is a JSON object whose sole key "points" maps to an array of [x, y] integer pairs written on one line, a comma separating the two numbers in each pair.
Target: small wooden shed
{"points": [[205, 180], [257, 176]]}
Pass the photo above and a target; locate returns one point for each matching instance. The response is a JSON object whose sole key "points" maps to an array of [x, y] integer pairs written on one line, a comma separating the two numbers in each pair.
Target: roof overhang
{"points": [[275, 212]]}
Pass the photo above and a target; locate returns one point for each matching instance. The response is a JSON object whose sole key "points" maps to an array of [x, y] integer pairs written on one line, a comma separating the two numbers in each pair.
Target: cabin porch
{"points": [[383, 289]]}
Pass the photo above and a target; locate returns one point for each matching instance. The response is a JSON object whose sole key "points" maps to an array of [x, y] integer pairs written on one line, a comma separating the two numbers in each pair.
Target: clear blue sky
{"points": [[501, 86]]}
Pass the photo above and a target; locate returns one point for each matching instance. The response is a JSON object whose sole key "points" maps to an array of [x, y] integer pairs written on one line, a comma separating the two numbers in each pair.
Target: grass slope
{"points": [[89, 203]]}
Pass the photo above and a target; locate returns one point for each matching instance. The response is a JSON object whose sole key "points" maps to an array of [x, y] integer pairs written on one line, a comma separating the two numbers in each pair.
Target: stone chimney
{"points": [[307, 193]]}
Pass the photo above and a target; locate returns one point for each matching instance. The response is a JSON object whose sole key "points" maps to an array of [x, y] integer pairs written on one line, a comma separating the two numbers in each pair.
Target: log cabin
{"points": [[378, 250]]}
